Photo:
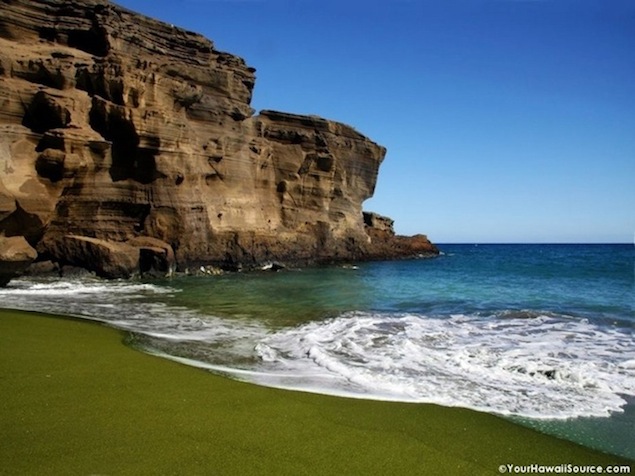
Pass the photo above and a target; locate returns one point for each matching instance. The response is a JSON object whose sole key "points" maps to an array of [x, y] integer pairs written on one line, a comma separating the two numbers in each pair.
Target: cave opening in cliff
{"points": [[93, 41], [44, 113], [144, 168], [129, 160], [125, 142]]}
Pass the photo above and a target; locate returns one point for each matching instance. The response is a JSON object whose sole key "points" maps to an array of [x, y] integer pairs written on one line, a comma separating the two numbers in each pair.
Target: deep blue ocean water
{"points": [[541, 334]]}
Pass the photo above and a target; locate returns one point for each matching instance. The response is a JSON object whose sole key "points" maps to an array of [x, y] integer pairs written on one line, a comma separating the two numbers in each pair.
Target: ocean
{"points": [[541, 334]]}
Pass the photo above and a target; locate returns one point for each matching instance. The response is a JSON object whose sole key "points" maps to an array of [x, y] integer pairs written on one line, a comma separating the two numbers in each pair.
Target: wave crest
{"points": [[544, 367]]}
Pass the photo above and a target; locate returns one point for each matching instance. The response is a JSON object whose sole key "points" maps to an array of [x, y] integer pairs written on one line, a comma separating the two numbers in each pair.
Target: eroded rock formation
{"points": [[116, 128], [15, 256]]}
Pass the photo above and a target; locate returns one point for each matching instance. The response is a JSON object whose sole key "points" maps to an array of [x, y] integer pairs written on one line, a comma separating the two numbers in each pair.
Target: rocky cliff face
{"points": [[115, 127]]}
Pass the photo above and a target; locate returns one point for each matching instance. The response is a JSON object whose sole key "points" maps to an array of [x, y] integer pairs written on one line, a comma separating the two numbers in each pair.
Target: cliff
{"points": [[123, 137]]}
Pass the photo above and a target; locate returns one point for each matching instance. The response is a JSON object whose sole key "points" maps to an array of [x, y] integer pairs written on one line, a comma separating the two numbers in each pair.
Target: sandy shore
{"points": [[76, 400]]}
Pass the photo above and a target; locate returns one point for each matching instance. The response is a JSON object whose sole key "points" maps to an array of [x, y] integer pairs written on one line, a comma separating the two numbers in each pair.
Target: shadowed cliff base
{"points": [[116, 127]]}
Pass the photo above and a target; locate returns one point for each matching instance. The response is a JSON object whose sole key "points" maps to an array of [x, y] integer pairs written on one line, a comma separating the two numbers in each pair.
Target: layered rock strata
{"points": [[128, 144]]}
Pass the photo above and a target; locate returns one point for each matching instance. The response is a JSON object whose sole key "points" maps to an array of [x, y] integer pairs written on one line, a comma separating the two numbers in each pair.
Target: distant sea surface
{"points": [[541, 334]]}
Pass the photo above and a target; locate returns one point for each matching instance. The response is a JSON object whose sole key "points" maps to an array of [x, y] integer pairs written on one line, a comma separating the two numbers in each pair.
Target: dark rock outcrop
{"points": [[156, 257], [115, 127], [387, 245]]}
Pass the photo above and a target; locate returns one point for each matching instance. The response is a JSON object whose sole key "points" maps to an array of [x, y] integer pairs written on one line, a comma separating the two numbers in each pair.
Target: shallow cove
{"points": [[540, 332], [77, 401]]}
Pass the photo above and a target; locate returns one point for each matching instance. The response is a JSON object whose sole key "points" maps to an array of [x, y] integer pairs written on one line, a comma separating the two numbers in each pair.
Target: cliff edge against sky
{"points": [[127, 143]]}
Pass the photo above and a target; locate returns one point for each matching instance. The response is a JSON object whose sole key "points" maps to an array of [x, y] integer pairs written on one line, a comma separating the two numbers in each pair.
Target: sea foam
{"points": [[513, 362], [545, 366]]}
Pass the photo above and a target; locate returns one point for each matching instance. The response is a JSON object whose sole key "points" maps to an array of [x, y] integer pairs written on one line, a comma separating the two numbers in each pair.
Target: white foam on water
{"points": [[525, 363], [94, 299], [140, 308], [78, 288], [539, 366]]}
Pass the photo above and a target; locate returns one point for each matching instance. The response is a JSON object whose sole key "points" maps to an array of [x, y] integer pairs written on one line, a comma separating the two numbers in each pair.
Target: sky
{"points": [[504, 120]]}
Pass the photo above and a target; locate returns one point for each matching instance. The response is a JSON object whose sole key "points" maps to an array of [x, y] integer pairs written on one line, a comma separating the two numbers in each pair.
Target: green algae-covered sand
{"points": [[76, 400]]}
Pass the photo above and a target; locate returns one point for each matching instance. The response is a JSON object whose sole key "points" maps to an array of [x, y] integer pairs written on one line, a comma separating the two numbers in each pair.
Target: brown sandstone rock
{"points": [[385, 244], [106, 258], [15, 256], [116, 127]]}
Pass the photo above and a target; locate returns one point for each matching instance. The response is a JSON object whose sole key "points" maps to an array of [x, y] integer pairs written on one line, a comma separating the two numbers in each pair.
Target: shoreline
{"points": [[79, 401]]}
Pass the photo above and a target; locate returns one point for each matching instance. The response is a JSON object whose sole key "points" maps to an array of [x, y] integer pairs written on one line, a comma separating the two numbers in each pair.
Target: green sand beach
{"points": [[77, 400]]}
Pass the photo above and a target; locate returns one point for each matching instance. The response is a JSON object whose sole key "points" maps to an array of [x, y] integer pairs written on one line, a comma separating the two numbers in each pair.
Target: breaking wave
{"points": [[513, 362]]}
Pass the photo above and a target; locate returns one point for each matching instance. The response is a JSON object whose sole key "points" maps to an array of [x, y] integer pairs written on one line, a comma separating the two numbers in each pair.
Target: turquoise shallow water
{"points": [[542, 334]]}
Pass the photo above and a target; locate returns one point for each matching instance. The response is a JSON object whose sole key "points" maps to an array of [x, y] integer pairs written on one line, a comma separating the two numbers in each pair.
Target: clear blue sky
{"points": [[505, 120]]}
